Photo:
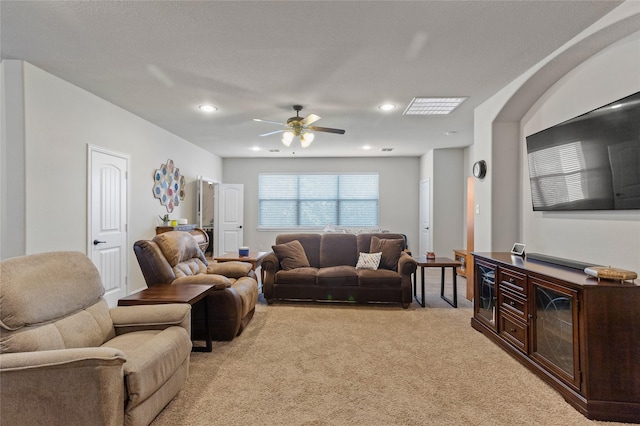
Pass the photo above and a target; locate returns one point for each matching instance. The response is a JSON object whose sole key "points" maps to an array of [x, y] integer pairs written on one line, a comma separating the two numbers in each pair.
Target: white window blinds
{"points": [[317, 200]]}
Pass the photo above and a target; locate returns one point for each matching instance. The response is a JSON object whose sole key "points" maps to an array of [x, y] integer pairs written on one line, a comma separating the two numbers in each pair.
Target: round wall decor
{"points": [[168, 185]]}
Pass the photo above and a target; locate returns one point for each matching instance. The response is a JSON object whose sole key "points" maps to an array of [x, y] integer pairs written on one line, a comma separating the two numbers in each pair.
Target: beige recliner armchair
{"points": [[66, 358], [174, 258]]}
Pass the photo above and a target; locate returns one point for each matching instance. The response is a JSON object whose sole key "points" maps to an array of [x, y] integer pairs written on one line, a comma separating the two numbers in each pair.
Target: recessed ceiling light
{"points": [[366, 147], [433, 106], [450, 132], [255, 148], [387, 107], [208, 108]]}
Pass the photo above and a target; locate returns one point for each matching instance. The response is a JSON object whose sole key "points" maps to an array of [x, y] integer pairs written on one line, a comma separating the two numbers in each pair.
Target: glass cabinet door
{"points": [[485, 293], [555, 330]]}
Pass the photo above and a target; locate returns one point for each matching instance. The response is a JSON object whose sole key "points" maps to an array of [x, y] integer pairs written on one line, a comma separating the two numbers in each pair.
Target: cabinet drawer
{"points": [[515, 303], [514, 281], [514, 331]]}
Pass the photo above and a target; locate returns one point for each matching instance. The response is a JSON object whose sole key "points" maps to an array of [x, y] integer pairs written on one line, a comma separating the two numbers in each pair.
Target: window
{"points": [[317, 200]]}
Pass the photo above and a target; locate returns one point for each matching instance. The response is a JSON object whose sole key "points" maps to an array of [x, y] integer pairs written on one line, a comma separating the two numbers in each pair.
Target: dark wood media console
{"points": [[580, 335]]}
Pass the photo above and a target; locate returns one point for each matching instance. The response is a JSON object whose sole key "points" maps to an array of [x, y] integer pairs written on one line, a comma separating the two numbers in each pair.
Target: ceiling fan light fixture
{"points": [[287, 138], [306, 139]]}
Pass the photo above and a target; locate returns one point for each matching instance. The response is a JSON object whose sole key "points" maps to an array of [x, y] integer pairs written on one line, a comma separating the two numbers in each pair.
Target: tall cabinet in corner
{"points": [[578, 334]]}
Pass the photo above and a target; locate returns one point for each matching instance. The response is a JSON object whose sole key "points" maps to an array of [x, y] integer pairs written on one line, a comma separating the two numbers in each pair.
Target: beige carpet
{"points": [[304, 364]]}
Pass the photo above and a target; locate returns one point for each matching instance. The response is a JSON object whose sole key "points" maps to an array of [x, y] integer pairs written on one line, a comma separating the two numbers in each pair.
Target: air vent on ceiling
{"points": [[433, 106], [386, 149], [274, 150]]}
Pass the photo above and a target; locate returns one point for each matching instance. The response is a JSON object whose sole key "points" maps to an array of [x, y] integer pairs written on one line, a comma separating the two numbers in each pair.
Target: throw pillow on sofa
{"points": [[390, 249], [369, 261], [291, 255]]}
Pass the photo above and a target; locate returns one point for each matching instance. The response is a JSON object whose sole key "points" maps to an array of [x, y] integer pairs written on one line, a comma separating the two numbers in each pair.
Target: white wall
{"points": [[399, 188], [60, 120], [584, 73], [600, 237]]}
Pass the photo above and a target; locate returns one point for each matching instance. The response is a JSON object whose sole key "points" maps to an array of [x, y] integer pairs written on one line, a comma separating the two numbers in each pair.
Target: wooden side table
{"points": [[442, 263], [461, 256], [180, 293]]}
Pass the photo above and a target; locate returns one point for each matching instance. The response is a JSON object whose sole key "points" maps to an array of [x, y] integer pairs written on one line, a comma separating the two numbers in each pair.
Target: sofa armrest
{"points": [[407, 265], [270, 263], [151, 317], [92, 379]]}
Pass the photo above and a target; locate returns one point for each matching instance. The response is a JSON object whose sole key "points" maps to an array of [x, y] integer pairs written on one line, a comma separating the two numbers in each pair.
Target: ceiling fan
{"points": [[299, 126]]}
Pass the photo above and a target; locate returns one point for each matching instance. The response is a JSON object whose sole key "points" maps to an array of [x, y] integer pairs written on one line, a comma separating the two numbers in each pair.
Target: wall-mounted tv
{"points": [[591, 162]]}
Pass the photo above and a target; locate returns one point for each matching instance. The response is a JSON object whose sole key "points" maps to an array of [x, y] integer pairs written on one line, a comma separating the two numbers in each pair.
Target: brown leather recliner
{"points": [[174, 257]]}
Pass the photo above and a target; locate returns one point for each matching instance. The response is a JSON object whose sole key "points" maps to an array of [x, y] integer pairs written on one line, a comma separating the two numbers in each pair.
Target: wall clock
{"points": [[480, 169]]}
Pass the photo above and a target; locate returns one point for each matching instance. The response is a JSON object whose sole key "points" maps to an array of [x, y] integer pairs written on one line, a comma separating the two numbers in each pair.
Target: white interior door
{"points": [[107, 220], [425, 217], [228, 226]]}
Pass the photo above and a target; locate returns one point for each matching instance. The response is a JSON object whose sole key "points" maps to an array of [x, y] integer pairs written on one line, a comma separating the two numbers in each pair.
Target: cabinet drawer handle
{"points": [[512, 280], [512, 303], [513, 330]]}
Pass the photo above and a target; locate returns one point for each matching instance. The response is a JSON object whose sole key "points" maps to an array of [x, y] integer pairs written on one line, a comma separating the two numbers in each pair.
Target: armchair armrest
{"points": [[220, 282], [32, 381], [230, 269], [151, 317], [407, 265]]}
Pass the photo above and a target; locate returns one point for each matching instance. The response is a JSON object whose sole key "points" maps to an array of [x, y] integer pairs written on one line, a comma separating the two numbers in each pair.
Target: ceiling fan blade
{"points": [[268, 121], [326, 129], [272, 133], [311, 118]]}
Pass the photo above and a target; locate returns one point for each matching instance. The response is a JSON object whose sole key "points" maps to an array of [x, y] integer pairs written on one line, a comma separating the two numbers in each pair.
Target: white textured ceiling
{"points": [[339, 59]]}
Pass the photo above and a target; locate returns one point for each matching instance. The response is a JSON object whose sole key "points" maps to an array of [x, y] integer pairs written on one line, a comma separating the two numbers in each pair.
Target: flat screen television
{"points": [[590, 162]]}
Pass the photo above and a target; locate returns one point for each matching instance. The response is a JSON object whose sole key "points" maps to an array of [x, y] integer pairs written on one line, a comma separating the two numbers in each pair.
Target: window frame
{"points": [[337, 201]]}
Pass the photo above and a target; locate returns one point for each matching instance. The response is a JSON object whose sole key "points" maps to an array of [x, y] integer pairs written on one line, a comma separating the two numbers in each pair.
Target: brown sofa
{"points": [[67, 359], [330, 273], [174, 257]]}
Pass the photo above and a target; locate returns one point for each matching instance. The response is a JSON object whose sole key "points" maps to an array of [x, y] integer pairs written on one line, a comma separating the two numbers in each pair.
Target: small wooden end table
{"points": [[438, 262], [180, 293]]}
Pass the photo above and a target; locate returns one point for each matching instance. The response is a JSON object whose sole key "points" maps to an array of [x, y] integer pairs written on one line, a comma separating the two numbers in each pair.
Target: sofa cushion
{"points": [[27, 298], [338, 249], [390, 249], [382, 278], [291, 255], [297, 276], [87, 328], [343, 275], [179, 246], [369, 261], [152, 358]]}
